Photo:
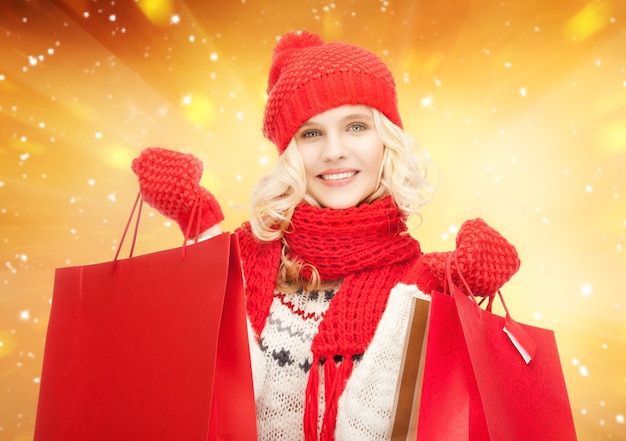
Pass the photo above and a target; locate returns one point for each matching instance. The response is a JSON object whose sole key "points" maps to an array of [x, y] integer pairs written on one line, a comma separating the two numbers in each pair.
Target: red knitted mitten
{"points": [[485, 259], [169, 182]]}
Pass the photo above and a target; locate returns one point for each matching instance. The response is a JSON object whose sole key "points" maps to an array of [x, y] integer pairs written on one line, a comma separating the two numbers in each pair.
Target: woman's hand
{"points": [[169, 181], [484, 257]]}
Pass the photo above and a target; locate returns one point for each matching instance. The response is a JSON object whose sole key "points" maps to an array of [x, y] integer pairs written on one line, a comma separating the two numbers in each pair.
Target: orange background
{"points": [[521, 103]]}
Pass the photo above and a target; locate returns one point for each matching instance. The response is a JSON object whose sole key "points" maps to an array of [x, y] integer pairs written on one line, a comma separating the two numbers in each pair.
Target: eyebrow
{"points": [[359, 115]]}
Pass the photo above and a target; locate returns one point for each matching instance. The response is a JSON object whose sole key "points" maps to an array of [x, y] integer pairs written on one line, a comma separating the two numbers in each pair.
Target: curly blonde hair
{"points": [[403, 175]]}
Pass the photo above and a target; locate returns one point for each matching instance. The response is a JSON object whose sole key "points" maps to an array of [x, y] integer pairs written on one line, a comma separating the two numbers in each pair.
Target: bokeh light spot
{"points": [[611, 138], [199, 109], [159, 12], [118, 156]]}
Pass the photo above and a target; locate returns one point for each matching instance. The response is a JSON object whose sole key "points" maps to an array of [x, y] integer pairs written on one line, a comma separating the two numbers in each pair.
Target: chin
{"points": [[340, 200], [338, 206], [338, 203]]}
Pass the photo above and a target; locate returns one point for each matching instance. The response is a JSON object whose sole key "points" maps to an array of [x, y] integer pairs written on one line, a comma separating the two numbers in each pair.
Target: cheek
{"points": [[375, 157], [308, 159]]}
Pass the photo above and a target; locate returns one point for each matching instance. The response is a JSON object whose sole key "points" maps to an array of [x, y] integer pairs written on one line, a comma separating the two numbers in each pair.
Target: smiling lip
{"points": [[337, 177]]}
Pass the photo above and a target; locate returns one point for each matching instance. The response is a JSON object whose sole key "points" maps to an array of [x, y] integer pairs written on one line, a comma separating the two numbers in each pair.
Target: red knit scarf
{"points": [[365, 246]]}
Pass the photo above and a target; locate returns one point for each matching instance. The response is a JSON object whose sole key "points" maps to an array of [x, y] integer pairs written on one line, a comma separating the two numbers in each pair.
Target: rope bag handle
{"points": [[196, 210], [524, 344]]}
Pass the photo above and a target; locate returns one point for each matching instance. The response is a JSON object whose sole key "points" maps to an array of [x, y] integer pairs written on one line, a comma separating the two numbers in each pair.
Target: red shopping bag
{"points": [[487, 377], [152, 347]]}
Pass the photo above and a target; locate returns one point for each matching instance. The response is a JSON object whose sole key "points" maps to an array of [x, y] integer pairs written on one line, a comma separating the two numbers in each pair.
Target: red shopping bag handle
{"points": [[468, 290], [196, 210], [197, 206], [525, 345], [138, 202]]}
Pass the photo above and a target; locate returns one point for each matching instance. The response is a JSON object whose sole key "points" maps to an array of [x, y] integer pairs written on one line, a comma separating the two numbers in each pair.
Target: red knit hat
{"points": [[308, 77]]}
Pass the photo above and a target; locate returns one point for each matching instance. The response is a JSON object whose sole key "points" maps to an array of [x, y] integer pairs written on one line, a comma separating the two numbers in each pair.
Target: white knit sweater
{"points": [[280, 368]]}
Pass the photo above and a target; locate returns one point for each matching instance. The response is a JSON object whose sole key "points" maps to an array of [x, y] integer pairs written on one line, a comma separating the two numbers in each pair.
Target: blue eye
{"points": [[310, 134], [357, 127]]}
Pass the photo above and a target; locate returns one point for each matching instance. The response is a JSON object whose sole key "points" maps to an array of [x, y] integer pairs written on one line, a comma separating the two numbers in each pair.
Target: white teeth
{"points": [[338, 176]]}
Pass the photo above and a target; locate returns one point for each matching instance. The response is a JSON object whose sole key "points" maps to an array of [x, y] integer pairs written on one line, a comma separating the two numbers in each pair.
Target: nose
{"points": [[334, 147]]}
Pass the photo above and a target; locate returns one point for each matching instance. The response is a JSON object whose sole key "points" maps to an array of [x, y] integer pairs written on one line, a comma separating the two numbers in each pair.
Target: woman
{"points": [[329, 267]]}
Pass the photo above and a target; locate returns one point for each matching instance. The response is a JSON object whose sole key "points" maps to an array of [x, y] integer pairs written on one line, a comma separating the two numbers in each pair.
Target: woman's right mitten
{"points": [[169, 181]]}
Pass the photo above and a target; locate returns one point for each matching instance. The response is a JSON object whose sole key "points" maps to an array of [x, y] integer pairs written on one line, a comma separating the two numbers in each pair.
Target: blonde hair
{"points": [[403, 175]]}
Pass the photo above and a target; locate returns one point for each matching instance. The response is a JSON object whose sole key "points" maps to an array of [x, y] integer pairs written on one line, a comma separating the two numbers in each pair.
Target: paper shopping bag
{"points": [[521, 400], [477, 384], [450, 406], [152, 347]]}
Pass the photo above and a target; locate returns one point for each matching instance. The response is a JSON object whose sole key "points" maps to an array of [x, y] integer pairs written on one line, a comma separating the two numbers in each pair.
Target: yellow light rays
{"points": [[7, 343], [588, 21], [78, 6], [520, 103], [25, 146]]}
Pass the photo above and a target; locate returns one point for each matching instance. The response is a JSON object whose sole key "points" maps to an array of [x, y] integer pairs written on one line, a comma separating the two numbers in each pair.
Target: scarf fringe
{"points": [[335, 379], [339, 380], [311, 404]]}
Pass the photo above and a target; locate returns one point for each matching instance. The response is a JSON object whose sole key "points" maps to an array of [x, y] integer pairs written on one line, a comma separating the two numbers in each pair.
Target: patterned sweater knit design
{"points": [[282, 360]]}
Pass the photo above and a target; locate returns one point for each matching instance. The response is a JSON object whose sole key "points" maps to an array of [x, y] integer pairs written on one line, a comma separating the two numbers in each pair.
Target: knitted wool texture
{"points": [[308, 77], [170, 182], [367, 247], [342, 244], [483, 256]]}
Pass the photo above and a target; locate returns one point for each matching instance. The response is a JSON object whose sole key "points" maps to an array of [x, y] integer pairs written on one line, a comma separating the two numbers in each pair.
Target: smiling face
{"points": [[342, 155]]}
